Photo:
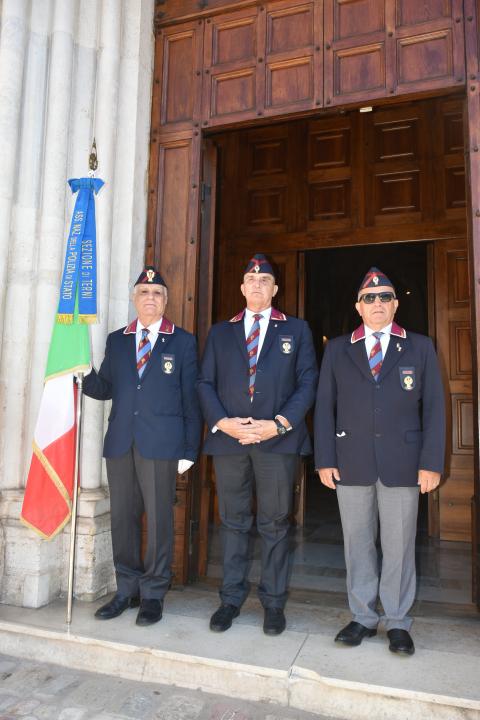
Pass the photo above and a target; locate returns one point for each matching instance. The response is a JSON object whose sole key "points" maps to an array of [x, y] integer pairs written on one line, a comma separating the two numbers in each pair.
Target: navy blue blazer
{"points": [[284, 385], [159, 412], [389, 429]]}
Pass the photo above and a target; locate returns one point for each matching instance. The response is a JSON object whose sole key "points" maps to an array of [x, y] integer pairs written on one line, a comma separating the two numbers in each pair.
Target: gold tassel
{"points": [[87, 319], [64, 318]]}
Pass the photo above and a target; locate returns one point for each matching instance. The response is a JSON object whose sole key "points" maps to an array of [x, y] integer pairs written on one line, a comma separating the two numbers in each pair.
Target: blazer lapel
{"points": [[358, 355], [239, 334], [395, 350], [270, 335], [131, 342]]}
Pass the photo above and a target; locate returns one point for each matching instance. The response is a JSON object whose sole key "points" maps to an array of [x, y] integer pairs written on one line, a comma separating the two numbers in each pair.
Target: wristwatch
{"points": [[281, 429]]}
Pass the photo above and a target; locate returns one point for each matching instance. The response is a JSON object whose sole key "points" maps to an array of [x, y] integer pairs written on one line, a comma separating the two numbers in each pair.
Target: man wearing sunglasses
{"points": [[379, 439]]}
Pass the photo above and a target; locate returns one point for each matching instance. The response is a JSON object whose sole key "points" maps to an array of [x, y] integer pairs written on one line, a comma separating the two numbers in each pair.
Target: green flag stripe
{"points": [[69, 347]]}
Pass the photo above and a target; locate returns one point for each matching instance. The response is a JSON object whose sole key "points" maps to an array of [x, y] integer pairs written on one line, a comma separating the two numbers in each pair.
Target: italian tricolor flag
{"points": [[47, 503]]}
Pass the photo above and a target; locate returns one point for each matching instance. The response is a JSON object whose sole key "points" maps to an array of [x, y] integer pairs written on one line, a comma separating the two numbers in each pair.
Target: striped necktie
{"points": [[143, 353], [376, 356], [252, 350]]}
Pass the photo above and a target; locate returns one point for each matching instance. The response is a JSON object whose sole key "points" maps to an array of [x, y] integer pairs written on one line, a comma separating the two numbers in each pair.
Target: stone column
{"points": [[96, 59]]}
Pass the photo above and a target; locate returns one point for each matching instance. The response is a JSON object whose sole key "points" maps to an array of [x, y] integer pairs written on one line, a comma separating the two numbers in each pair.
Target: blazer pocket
{"points": [[413, 436]]}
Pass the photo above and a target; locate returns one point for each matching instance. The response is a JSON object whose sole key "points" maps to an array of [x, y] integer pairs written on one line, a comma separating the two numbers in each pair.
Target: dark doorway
{"points": [[334, 275], [332, 279]]}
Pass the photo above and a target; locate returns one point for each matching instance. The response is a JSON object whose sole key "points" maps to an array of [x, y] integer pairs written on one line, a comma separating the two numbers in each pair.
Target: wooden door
{"points": [[203, 479], [472, 136], [454, 346]]}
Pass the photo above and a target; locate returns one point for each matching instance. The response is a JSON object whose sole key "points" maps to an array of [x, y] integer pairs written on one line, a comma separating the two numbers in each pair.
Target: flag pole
{"points": [[93, 165], [76, 490]]}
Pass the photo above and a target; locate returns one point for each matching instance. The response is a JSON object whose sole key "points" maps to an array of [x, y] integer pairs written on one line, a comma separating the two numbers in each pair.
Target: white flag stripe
{"points": [[56, 415]]}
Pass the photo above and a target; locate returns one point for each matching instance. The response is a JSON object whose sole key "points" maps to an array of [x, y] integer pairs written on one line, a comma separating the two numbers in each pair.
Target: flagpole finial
{"points": [[92, 158]]}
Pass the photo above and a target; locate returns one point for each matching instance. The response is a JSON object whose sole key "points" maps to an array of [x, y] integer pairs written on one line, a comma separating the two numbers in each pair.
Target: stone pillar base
{"points": [[35, 571]]}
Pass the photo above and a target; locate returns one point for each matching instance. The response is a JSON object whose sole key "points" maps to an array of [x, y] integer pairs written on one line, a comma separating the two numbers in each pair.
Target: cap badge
{"points": [[375, 279], [257, 268], [150, 275]]}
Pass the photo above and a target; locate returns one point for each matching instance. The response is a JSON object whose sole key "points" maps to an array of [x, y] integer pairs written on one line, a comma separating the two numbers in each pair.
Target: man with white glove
{"points": [[154, 429]]}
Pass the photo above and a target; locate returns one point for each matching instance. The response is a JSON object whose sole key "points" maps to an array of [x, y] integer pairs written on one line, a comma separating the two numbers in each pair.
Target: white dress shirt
{"points": [[370, 340], [152, 332], [248, 322]]}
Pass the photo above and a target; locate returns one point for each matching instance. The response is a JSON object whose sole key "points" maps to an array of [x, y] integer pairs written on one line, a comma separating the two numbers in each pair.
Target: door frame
{"points": [[205, 297]]}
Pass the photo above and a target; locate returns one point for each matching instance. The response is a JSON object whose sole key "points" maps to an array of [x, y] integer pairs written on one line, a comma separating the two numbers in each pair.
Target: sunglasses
{"points": [[369, 298]]}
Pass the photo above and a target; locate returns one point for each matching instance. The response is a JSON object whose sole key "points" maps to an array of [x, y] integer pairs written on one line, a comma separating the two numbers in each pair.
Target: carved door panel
{"points": [[332, 201], [454, 346], [398, 188], [178, 65], [293, 56], [356, 47], [429, 45], [380, 48], [234, 44]]}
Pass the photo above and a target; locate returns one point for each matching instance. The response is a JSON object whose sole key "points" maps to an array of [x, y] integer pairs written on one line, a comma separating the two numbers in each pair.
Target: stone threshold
{"points": [[301, 669]]}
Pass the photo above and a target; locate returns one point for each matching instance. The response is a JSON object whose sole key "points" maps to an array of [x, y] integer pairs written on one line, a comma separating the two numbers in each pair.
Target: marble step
{"points": [[299, 669]]}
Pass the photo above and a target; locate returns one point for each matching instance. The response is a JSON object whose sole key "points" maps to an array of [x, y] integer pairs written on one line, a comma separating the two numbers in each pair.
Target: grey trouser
{"points": [[136, 485], [273, 475], [361, 508]]}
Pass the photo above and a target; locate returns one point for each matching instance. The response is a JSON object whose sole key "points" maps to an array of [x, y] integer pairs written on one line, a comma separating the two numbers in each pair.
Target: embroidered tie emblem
{"points": [[252, 350], [143, 353], [376, 357]]}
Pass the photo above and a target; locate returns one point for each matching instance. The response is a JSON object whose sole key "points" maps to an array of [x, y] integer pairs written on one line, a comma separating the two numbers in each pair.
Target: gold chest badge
{"points": [[407, 378], [168, 364]]}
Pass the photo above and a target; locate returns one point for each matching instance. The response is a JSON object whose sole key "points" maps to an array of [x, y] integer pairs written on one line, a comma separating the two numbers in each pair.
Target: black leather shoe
{"points": [[400, 641], [274, 622], [116, 606], [222, 618], [353, 633], [150, 612]]}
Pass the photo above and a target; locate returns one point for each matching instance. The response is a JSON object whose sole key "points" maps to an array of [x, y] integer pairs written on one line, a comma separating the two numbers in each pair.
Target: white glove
{"points": [[184, 465]]}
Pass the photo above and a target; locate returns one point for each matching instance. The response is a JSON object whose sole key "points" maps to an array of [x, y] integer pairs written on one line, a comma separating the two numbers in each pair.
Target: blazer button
{"points": [[139, 387], [377, 435], [136, 412]]}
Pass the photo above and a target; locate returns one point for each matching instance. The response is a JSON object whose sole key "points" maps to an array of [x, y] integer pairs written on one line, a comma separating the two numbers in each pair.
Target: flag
{"points": [[47, 503]]}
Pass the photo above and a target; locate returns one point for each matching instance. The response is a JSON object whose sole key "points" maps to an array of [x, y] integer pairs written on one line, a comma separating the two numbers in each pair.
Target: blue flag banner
{"points": [[80, 268]]}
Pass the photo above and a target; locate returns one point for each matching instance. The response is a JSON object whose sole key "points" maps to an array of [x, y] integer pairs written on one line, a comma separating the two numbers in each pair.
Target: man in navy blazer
{"points": [[257, 382], [379, 438], [154, 429]]}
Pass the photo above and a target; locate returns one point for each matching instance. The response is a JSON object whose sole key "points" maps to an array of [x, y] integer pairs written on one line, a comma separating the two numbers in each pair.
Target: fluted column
{"points": [[68, 71], [23, 248], [14, 19]]}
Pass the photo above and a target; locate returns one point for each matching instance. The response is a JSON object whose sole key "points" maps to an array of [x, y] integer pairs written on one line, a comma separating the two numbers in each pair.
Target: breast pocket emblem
{"points": [[287, 344], [407, 378], [168, 364]]}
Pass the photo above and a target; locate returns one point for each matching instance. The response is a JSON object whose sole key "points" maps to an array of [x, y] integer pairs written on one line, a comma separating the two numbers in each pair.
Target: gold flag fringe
{"points": [[87, 319], [64, 318]]}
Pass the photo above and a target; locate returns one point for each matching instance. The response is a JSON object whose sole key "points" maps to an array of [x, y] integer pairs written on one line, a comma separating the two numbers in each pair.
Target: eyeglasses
{"points": [[384, 297]]}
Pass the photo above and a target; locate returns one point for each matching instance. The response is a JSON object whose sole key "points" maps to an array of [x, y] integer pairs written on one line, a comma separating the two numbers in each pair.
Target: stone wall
{"points": [[69, 71]]}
